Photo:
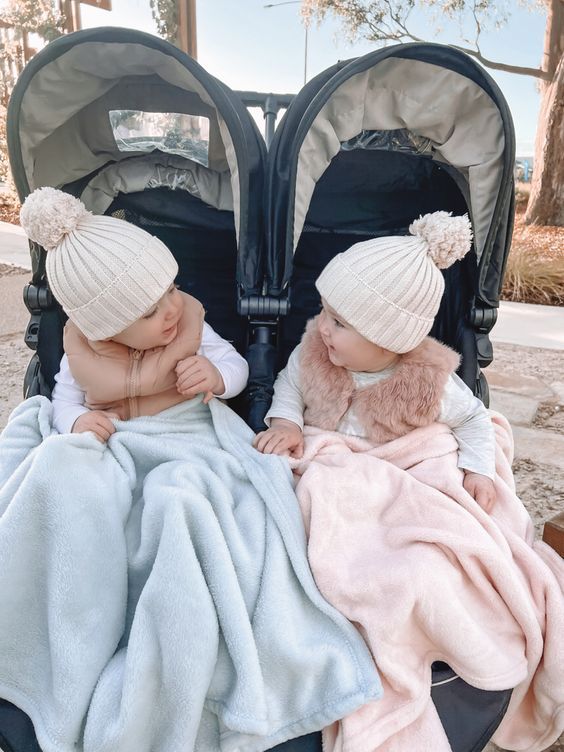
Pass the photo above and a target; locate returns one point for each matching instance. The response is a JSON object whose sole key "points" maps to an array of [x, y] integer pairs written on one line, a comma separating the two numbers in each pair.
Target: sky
{"points": [[251, 47]]}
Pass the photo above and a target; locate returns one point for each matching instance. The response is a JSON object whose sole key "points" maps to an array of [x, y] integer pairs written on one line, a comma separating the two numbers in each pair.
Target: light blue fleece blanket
{"points": [[155, 592]]}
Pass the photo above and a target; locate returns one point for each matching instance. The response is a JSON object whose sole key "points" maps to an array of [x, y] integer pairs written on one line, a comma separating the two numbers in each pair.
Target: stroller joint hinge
{"points": [[37, 298], [263, 305], [483, 319]]}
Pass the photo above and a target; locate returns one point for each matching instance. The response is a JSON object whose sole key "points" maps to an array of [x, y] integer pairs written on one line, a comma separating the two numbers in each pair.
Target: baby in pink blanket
{"points": [[365, 365], [408, 537]]}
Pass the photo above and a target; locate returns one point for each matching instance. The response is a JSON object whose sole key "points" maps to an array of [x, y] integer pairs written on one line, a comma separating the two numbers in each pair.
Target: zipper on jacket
{"points": [[135, 356]]}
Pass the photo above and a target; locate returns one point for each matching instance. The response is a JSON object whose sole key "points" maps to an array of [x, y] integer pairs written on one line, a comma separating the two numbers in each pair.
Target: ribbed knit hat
{"points": [[105, 272], [389, 289]]}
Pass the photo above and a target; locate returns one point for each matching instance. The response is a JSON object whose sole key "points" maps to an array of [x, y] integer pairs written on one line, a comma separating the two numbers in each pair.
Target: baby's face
{"points": [[158, 327], [349, 349]]}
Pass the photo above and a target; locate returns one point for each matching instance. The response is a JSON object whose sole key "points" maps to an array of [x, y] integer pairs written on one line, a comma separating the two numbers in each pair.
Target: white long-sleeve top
{"points": [[68, 398], [465, 415]]}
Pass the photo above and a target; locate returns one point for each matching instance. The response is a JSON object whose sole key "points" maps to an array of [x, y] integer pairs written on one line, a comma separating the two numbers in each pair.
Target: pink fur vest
{"points": [[408, 399]]}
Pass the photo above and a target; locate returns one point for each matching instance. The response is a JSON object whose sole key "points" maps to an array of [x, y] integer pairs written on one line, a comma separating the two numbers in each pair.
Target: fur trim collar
{"points": [[408, 399]]}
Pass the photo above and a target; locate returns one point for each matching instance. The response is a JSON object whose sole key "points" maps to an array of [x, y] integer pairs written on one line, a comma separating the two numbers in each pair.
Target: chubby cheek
{"points": [[149, 337], [178, 301], [339, 350], [158, 327], [177, 309]]}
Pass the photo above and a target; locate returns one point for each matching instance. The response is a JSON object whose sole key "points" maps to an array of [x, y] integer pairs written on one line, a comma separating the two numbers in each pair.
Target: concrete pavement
{"points": [[14, 249], [530, 325]]}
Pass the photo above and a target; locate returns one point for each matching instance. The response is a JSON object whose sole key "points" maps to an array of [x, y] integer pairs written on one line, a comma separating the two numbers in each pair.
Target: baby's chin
{"points": [[335, 359]]}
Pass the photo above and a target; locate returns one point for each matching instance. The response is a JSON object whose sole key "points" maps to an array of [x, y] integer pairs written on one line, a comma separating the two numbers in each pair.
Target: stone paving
{"points": [[535, 410]]}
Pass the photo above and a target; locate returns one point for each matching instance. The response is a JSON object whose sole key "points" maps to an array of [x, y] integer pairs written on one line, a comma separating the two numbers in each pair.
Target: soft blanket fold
{"points": [[400, 548], [156, 592]]}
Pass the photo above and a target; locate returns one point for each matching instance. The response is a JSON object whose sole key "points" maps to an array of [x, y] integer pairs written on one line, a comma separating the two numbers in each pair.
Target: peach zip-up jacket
{"points": [[133, 382]]}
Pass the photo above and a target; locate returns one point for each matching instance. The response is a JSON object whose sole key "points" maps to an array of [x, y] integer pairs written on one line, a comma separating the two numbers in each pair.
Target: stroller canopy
{"points": [[417, 99], [110, 111]]}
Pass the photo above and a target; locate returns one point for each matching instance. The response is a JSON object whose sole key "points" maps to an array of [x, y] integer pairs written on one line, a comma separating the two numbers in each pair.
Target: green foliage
{"points": [[19, 18], [165, 13], [24, 17], [9, 202], [40, 17], [388, 20], [4, 165]]}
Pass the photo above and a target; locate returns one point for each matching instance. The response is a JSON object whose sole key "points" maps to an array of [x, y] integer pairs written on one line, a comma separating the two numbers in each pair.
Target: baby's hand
{"points": [[197, 374], [97, 421], [481, 488], [284, 437]]}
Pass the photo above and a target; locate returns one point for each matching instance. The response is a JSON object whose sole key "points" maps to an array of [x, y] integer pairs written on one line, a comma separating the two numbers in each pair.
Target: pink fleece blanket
{"points": [[400, 548]]}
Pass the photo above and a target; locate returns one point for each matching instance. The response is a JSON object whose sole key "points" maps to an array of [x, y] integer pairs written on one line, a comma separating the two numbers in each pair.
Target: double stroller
{"points": [[140, 131]]}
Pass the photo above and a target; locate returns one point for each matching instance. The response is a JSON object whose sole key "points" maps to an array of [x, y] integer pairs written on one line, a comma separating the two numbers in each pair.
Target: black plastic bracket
{"points": [[270, 105], [483, 319], [37, 299], [263, 305]]}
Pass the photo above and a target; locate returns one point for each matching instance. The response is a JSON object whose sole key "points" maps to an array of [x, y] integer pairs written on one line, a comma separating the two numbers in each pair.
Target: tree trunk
{"points": [[546, 203]]}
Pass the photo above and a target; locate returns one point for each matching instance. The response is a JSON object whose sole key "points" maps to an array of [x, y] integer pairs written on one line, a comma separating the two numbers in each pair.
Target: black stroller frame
{"points": [[266, 294]]}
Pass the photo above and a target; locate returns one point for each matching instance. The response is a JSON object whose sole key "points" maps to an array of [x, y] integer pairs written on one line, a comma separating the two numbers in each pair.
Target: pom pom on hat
{"points": [[48, 215], [105, 272], [449, 238]]}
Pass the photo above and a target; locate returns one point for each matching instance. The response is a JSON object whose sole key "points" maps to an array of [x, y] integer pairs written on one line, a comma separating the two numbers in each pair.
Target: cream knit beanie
{"points": [[106, 273], [389, 289]]}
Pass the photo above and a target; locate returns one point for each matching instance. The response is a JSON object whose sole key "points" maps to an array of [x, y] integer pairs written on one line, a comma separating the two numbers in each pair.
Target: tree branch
{"points": [[507, 67], [404, 31], [390, 25], [478, 27]]}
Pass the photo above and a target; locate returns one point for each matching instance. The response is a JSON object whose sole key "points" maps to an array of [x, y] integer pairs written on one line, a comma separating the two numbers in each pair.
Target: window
{"points": [[170, 132]]}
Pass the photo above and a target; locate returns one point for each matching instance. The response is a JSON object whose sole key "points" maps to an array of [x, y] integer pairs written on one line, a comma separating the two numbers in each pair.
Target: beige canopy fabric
{"points": [[65, 131], [155, 170], [461, 120]]}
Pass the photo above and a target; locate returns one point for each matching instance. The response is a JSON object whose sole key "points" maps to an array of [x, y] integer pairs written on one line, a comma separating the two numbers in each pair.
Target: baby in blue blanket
{"points": [[155, 587]]}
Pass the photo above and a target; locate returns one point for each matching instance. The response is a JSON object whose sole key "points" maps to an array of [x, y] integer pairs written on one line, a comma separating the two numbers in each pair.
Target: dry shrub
{"points": [[9, 204], [522, 193], [534, 278], [535, 267]]}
